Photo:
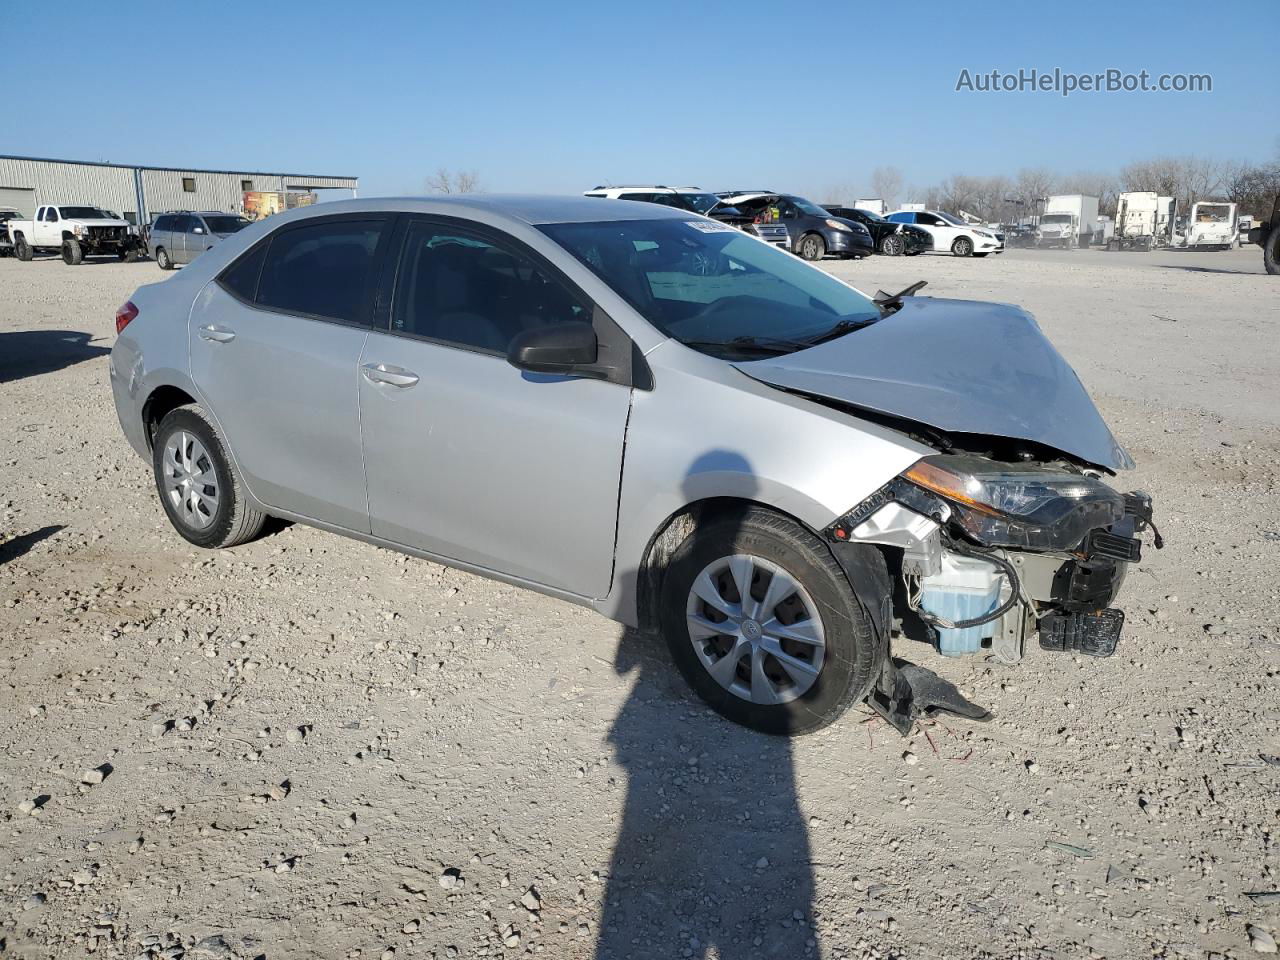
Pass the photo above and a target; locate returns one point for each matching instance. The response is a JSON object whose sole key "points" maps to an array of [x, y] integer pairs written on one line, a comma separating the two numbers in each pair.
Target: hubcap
{"points": [[755, 629], [190, 481]]}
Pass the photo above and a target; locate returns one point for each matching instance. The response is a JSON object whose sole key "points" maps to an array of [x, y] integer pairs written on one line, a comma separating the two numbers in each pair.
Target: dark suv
{"points": [[891, 239], [815, 231]]}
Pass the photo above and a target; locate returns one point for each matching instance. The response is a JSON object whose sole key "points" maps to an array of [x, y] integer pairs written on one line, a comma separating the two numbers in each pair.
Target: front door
{"points": [[467, 457], [275, 346]]}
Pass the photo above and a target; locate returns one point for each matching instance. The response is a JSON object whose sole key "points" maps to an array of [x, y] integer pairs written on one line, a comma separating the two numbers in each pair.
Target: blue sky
{"points": [[557, 97]]}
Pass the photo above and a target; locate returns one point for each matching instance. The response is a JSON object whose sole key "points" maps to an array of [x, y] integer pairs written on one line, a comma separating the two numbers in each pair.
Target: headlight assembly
{"points": [[837, 225], [1024, 506]]}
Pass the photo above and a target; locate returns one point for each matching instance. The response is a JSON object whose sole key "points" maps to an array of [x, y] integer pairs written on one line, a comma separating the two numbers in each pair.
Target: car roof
{"points": [[532, 209]]}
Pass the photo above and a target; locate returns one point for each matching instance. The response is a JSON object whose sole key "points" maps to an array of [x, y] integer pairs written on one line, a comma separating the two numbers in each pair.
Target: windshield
{"points": [[226, 224], [707, 284], [1056, 218], [808, 207], [867, 214], [702, 202], [82, 213], [956, 221], [1218, 213]]}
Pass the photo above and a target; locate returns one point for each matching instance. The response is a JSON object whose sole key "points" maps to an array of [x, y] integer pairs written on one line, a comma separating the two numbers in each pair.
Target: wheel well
{"points": [[673, 532], [162, 401], [66, 235]]}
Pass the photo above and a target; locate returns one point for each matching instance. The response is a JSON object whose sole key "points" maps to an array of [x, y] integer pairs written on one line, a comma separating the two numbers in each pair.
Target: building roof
{"points": [[143, 166]]}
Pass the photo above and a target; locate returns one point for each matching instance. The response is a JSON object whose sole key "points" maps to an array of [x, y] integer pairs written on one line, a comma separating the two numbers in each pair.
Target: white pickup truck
{"points": [[75, 231]]}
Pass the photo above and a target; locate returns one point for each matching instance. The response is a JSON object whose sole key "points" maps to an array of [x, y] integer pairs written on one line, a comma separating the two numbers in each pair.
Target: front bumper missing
{"points": [[1065, 597]]}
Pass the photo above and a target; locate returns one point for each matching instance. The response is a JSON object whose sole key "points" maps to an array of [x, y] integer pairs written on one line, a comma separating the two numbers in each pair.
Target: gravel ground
{"points": [[310, 747]]}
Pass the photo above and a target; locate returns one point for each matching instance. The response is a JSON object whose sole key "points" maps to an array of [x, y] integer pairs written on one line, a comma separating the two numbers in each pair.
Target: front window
{"points": [[808, 207], [954, 221], [82, 213], [225, 224], [701, 202], [713, 287]]}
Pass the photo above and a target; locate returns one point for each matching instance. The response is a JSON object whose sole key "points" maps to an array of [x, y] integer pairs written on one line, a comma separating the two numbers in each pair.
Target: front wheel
{"points": [[198, 485], [892, 245], [812, 247], [132, 255], [1271, 251], [764, 625], [72, 253], [963, 247]]}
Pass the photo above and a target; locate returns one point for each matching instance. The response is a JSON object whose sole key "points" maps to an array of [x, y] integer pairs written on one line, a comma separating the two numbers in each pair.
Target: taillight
{"points": [[126, 313]]}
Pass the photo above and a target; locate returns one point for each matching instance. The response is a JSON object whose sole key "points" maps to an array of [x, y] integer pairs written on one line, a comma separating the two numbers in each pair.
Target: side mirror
{"points": [[199, 230], [557, 348]]}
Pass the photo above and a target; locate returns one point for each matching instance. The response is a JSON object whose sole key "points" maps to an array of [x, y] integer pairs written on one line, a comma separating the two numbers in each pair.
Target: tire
{"points": [[792, 699], [963, 247], [892, 245], [812, 247], [1271, 251], [22, 249], [211, 513], [72, 253], [132, 255], [162, 258]]}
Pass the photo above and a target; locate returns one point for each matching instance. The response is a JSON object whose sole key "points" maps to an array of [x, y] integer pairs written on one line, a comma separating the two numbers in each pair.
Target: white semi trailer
{"points": [[1068, 221], [1144, 220]]}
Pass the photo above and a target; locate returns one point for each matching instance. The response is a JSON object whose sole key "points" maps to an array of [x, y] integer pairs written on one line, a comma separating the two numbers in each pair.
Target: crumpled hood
{"points": [[959, 366], [97, 222]]}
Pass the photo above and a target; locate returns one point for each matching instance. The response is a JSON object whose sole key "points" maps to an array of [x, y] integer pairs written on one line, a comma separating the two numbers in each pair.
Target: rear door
{"points": [[275, 345], [467, 457]]}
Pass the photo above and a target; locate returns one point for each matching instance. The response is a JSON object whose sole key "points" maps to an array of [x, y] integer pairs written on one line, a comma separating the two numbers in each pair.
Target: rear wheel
{"points": [[72, 253], [812, 247], [765, 626], [963, 247], [162, 258], [198, 484], [892, 245], [22, 249]]}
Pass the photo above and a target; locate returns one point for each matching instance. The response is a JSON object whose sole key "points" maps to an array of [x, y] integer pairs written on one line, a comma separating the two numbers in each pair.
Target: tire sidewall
{"points": [[812, 240], [851, 658], [962, 247], [1271, 251], [162, 258], [184, 418], [891, 246]]}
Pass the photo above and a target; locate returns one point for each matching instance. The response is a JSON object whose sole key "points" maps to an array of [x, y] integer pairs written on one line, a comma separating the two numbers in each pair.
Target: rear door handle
{"points": [[216, 334], [386, 373]]}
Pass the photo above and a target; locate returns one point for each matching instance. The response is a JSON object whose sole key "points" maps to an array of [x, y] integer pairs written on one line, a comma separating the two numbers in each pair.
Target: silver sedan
{"points": [[650, 413]]}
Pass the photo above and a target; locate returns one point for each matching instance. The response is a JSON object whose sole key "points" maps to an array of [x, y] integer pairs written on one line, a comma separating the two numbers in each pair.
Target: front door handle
{"points": [[216, 334], [385, 373]]}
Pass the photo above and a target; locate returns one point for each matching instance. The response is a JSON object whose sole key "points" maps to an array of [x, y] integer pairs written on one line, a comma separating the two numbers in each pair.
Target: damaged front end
{"points": [[991, 556]]}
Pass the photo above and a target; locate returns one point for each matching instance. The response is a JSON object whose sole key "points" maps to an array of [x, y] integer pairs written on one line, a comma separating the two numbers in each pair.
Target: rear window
{"points": [[322, 269]]}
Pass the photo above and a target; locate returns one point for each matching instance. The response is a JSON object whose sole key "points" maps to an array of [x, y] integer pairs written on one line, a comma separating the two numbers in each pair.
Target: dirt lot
{"points": [[315, 748]]}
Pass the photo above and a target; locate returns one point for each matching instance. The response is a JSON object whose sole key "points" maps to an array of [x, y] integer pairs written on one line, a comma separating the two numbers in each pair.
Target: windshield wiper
{"points": [[843, 327], [770, 345], [890, 302]]}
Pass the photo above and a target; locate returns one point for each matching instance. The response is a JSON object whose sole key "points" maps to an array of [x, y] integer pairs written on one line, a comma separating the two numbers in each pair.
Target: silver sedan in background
{"points": [[648, 412]]}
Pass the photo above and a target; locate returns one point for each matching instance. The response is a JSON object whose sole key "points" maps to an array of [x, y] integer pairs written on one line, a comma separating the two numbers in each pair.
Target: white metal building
{"points": [[138, 193]]}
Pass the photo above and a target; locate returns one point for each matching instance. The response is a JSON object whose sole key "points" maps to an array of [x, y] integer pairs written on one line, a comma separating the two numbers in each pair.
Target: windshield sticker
{"points": [[709, 226]]}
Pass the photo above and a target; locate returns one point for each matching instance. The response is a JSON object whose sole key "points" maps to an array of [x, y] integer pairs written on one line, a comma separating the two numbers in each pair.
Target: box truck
{"points": [[1068, 221]]}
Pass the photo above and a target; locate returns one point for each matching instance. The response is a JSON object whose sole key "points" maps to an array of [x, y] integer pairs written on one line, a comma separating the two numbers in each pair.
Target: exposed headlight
{"points": [[837, 225], [1025, 506], [79, 229]]}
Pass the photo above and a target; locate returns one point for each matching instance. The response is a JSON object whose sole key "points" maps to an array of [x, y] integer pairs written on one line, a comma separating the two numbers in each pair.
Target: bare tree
{"points": [[445, 180], [1032, 184], [886, 183], [1252, 188]]}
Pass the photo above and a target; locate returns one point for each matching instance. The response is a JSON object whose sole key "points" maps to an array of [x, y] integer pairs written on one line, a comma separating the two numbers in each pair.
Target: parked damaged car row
{"points": [[716, 440], [815, 231]]}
